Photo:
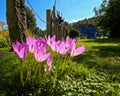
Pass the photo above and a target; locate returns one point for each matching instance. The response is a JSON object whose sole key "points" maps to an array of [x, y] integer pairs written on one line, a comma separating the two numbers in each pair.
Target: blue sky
{"points": [[71, 10]]}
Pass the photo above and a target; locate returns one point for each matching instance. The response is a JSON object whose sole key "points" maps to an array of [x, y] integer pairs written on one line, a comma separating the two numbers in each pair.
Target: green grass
{"points": [[8, 66], [102, 55], [94, 73], [101, 52]]}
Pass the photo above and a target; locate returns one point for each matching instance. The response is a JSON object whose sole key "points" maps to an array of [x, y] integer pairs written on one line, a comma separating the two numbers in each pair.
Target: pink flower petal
{"points": [[78, 51], [20, 49], [49, 64]]}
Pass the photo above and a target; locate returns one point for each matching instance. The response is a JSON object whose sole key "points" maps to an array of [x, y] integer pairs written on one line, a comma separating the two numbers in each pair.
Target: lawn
{"points": [[94, 73]]}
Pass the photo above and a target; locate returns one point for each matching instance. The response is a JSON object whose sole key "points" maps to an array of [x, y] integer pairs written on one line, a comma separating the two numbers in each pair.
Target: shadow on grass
{"points": [[107, 51], [100, 52], [111, 54], [104, 59], [105, 40]]}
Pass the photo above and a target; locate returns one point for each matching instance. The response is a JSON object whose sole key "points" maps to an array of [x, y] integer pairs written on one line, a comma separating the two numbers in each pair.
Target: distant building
{"points": [[87, 30]]}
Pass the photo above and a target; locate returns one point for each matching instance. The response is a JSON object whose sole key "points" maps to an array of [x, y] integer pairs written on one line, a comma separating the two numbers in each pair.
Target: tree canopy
{"points": [[109, 17], [31, 22]]}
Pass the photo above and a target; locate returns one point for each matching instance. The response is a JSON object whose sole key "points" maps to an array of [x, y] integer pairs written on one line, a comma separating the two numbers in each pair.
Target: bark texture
{"points": [[16, 20]]}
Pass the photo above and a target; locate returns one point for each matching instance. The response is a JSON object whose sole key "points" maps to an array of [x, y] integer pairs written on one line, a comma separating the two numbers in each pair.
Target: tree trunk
{"points": [[16, 20], [115, 29]]}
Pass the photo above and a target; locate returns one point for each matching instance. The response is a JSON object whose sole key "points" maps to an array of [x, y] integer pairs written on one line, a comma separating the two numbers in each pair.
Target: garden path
{"points": [[3, 53]]}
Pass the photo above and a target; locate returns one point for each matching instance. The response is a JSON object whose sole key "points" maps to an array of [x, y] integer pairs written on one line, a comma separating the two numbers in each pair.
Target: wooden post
{"points": [[16, 20], [49, 22]]}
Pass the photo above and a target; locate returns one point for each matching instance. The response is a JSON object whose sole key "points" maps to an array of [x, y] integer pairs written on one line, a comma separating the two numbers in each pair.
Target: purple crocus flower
{"points": [[71, 46], [50, 39], [69, 42], [31, 42], [77, 51], [51, 42], [64, 46], [20, 49], [40, 51], [61, 48]]}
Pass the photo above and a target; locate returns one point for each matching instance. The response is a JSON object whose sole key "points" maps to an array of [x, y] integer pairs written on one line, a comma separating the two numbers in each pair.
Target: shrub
{"points": [[4, 39], [74, 33]]}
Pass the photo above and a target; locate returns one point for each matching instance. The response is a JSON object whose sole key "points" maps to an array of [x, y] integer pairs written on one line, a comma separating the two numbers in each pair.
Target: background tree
{"points": [[85, 21], [2, 24], [31, 22], [109, 17], [16, 20], [113, 15]]}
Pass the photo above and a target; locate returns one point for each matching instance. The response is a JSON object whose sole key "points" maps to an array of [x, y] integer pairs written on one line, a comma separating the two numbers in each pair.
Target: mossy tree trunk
{"points": [[16, 20]]}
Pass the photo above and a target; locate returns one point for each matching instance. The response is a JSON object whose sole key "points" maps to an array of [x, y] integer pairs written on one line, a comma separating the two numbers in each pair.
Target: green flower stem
{"points": [[21, 74], [58, 65], [29, 67], [42, 71], [35, 70], [34, 64], [28, 71], [39, 71], [64, 64]]}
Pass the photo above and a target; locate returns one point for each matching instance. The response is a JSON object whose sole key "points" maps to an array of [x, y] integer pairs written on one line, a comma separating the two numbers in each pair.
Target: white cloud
{"points": [[74, 21]]}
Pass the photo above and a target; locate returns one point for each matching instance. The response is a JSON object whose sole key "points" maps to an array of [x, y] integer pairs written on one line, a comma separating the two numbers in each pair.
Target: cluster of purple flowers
{"points": [[39, 48]]}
